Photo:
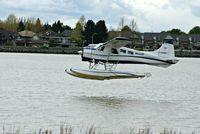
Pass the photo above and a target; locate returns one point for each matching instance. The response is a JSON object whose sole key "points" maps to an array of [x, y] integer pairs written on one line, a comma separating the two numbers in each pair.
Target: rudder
{"points": [[166, 51]]}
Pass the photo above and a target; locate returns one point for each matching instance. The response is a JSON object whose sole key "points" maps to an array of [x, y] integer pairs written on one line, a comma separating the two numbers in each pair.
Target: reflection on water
{"points": [[37, 93], [111, 102], [117, 102]]}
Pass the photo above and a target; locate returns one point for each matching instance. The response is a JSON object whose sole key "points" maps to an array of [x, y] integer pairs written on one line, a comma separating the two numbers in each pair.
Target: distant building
{"points": [[183, 41], [195, 40], [25, 38], [6, 36], [149, 40], [60, 39]]}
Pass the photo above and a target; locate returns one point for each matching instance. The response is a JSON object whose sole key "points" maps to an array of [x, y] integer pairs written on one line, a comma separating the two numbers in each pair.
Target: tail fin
{"points": [[166, 51]]}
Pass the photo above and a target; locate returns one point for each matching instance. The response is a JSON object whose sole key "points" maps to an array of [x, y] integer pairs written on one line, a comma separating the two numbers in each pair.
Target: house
{"points": [[169, 39], [183, 41], [150, 40], [60, 39], [67, 33], [25, 38], [195, 40], [6, 36]]}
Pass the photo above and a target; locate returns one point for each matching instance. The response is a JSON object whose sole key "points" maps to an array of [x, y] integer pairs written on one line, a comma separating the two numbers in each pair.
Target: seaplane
{"points": [[113, 52]]}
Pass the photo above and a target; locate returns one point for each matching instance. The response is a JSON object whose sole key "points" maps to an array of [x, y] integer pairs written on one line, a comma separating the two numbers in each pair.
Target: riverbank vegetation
{"points": [[94, 130]]}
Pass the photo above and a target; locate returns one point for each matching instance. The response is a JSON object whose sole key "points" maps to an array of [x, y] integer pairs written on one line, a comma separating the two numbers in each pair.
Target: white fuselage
{"points": [[126, 55]]}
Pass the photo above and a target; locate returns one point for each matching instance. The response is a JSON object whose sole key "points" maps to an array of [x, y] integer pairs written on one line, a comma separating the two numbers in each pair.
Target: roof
{"points": [[8, 34], [26, 33], [169, 37]]}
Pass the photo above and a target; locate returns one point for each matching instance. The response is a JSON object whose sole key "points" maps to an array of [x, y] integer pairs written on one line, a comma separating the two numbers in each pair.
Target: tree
{"points": [[1, 24], [101, 32], [175, 31], [89, 31], [11, 23], [21, 26], [134, 32], [126, 31], [30, 23], [66, 27], [195, 30], [57, 27], [121, 23], [77, 33], [133, 26], [82, 21], [126, 28], [38, 26], [46, 27]]}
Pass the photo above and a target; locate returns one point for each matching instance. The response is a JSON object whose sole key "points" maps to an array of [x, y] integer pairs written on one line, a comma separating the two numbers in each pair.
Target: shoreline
{"points": [[63, 50], [50, 50]]}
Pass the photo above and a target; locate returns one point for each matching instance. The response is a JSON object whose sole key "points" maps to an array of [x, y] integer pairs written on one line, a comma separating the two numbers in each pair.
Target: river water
{"points": [[35, 92]]}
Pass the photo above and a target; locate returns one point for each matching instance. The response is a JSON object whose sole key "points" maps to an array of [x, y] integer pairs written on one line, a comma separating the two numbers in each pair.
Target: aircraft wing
{"points": [[117, 42]]}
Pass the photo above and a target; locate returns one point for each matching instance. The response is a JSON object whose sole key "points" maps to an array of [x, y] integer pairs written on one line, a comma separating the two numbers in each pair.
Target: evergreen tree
{"points": [[21, 26], [54, 27], [101, 32], [38, 26], [89, 31], [46, 27], [66, 27], [195, 30], [57, 27]]}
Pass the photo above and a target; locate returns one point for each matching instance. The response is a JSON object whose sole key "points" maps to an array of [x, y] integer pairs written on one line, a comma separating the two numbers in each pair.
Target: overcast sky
{"points": [[150, 15]]}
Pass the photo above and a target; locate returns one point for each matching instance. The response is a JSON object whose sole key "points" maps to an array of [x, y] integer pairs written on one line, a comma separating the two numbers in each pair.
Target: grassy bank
{"points": [[96, 130], [74, 50], [50, 50]]}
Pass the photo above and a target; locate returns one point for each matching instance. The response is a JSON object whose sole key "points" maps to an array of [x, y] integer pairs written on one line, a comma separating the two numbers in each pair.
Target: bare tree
{"points": [[121, 23], [134, 31], [82, 21], [133, 26]]}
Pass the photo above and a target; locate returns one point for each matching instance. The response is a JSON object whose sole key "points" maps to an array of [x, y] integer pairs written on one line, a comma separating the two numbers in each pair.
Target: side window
{"points": [[139, 53], [114, 51], [122, 50], [129, 52]]}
